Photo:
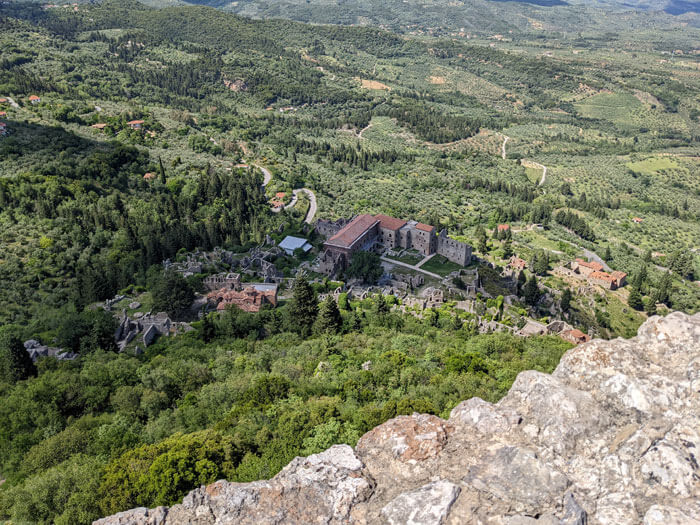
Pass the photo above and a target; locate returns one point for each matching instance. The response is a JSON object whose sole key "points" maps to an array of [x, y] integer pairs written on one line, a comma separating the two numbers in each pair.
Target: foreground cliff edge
{"points": [[611, 437]]}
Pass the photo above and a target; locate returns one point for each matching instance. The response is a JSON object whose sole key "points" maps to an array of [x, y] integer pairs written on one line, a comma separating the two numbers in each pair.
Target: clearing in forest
{"points": [[372, 84]]}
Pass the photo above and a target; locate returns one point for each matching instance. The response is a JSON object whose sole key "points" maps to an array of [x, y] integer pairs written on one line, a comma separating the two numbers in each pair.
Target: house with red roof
{"points": [[503, 228], [586, 268], [135, 124], [575, 336], [149, 176], [3, 114], [34, 99], [3, 129]]}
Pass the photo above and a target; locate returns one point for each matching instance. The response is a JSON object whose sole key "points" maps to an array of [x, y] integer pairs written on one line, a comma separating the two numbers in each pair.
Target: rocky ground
{"points": [[611, 437]]}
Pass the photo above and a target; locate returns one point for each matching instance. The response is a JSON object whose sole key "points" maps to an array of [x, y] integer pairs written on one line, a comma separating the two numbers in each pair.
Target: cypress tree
{"points": [[635, 299], [304, 306], [566, 300], [161, 171], [531, 291], [329, 319]]}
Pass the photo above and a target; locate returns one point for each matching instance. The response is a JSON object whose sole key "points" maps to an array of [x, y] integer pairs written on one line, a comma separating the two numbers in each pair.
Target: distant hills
{"points": [[478, 16]]}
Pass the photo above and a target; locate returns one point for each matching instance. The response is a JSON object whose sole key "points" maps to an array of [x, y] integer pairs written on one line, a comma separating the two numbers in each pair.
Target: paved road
{"points": [[405, 265], [267, 176], [313, 207]]}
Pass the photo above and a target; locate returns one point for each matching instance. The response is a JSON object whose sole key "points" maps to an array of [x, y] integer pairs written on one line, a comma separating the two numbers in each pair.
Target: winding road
{"points": [[503, 147], [313, 206]]}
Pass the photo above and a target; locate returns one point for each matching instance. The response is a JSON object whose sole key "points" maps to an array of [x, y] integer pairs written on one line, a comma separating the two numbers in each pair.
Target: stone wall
{"points": [[455, 251], [610, 438]]}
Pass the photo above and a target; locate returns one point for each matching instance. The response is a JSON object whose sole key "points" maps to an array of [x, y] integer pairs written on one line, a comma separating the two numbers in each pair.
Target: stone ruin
{"points": [[195, 262], [36, 350], [328, 229], [148, 326], [258, 263], [231, 281]]}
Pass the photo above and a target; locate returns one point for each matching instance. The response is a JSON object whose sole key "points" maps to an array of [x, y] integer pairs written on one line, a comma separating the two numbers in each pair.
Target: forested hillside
{"points": [[136, 136]]}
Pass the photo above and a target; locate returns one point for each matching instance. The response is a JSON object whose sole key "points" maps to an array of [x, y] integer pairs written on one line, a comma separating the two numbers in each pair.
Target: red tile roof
{"points": [[503, 227], [280, 194], [618, 275], [3, 113], [603, 276], [593, 265], [34, 97], [99, 126], [135, 122], [517, 262], [3, 100], [347, 236], [389, 223], [425, 227], [149, 176]]}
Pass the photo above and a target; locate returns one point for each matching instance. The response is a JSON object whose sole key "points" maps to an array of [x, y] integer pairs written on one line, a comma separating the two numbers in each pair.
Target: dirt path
{"points": [[359, 135], [544, 175], [503, 147], [12, 102]]}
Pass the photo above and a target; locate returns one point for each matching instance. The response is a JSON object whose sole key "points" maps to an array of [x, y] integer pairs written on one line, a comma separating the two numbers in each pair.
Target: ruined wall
{"points": [[611, 438], [455, 251]]}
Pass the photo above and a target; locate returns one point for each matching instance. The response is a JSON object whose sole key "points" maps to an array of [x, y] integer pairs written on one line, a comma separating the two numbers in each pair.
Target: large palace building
{"points": [[381, 232]]}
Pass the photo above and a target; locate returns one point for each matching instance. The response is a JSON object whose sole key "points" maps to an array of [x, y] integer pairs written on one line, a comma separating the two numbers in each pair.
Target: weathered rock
{"points": [[428, 505], [519, 476], [612, 437]]}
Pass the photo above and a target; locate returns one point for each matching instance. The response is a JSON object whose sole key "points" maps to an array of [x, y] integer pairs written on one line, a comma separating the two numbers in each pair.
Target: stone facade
{"points": [[455, 251], [381, 232]]}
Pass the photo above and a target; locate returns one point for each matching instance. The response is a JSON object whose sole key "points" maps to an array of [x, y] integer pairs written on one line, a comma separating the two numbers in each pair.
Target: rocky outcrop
{"points": [[612, 437]]}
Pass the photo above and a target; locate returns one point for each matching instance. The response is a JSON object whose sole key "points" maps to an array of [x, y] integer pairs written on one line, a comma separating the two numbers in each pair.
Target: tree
{"points": [[663, 292], [522, 279], [650, 305], [381, 307], [531, 291], [481, 240], [540, 262], [329, 319], [366, 266], [566, 300], [507, 249], [208, 328], [15, 363], [304, 306], [635, 299], [607, 256], [161, 171], [172, 293]]}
